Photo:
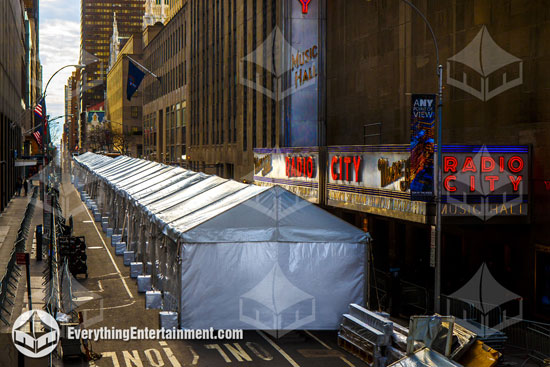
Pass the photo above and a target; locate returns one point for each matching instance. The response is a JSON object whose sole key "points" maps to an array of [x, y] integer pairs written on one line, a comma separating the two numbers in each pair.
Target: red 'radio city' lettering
{"points": [[487, 165], [341, 165], [299, 167]]}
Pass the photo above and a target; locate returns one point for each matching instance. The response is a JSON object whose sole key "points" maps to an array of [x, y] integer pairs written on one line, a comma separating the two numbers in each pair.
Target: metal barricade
{"points": [[531, 336], [8, 282], [414, 299]]}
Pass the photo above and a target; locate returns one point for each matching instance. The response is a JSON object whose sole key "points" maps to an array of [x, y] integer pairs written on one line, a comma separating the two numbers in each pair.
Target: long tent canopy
{"points": [[228, 254]]}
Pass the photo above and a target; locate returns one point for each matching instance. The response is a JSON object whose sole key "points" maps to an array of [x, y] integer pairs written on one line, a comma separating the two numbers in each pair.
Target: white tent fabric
{"points": [[227, 254]]}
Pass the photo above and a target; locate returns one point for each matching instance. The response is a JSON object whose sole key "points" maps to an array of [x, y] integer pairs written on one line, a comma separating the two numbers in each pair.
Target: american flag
{"points": [[39, 110], [38, 136]]}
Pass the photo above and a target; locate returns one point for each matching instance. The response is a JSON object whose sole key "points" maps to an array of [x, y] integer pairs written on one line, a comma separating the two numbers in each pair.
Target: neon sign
{"points": [[485, 181], [305, 4], [494, 171]]}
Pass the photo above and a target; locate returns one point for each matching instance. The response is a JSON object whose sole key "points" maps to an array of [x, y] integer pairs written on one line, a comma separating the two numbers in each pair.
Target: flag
{"points": [[38, 136], [46, 130], [40, 109], [135, 76]]}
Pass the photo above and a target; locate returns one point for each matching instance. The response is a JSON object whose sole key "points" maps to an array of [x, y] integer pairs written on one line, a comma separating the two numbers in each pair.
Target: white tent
{"points": [[231, 255]]}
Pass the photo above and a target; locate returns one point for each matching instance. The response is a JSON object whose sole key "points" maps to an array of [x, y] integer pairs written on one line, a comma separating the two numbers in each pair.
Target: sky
{"points": [[59, 46]]}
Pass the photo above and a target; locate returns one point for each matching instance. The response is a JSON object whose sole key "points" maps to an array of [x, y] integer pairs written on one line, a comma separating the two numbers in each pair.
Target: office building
{"points": [[124, 116], [97, 18], [14, 117]]}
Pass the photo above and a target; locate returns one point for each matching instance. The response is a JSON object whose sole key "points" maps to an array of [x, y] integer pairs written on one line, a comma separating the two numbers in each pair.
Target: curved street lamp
{"points": [[78, 66]]}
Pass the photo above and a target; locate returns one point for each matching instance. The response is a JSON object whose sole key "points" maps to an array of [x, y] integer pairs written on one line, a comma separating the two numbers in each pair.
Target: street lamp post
{"points": [[43, 191], [437, 166]]}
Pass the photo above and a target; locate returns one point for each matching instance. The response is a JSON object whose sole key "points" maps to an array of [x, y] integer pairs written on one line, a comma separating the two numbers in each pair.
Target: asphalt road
{"points": [[109, 297]]}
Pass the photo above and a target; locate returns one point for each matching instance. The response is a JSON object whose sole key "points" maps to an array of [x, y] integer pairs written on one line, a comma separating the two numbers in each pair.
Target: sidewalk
{"points": [[10, 222]]}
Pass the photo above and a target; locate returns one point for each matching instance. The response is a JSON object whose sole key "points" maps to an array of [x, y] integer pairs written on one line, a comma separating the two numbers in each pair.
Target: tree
{"points": [[100, 138], [121, 141]]}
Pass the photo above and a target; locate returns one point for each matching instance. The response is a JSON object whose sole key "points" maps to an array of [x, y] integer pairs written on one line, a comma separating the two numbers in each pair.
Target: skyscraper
{"points": [[96, 29]]}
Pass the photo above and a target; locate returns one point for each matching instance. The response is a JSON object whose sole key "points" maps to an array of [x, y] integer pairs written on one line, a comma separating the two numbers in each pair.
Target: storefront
{"points": [[485, 212], [296, 169]]}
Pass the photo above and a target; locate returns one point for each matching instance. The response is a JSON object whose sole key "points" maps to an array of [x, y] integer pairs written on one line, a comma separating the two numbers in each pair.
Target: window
{"points": [[134, 112]]}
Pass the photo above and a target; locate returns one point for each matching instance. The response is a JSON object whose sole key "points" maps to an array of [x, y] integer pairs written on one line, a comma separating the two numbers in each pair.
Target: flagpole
{"points": [[143, 67]]}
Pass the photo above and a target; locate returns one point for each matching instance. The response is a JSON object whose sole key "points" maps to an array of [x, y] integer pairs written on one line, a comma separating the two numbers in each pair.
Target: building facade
{"points": [[373, 77], [165, 99], [124, 117], [494, 73], [227, 118], [97, 18], [14, 117], [71, 111]]}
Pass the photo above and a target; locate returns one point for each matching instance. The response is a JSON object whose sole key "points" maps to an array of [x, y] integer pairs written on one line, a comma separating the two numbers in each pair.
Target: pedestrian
{"points": [[25, 186], [18, 187]]}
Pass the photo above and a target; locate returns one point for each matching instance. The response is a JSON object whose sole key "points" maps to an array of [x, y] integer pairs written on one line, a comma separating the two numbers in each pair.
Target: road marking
{"points": [[344, 359], [259, 351], [108, 308], [109, 253], [155, 361], [220, 350], [238, 352], [132, 359], [171, 357], [279, 349], [113, 356], [100, 286], [195, 356], [87, 221], [94, 248]]}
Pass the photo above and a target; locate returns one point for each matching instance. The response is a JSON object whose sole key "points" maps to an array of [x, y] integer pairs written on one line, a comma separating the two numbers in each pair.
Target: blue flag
{"points": [[135, 76]]}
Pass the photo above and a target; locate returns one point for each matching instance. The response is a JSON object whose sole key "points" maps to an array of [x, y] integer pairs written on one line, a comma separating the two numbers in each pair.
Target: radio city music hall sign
{"points": [[348, 168], [492, 181], [303, 65], [487, 172]]}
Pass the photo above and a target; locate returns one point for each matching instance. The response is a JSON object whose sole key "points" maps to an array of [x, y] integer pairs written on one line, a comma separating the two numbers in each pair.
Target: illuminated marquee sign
{"points": [[373, 179], [295, 169], [485, 181]]}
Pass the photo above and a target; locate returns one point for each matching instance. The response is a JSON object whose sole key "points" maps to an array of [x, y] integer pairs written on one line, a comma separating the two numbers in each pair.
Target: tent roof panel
{"points": [[168, 187], [198, 196], [199, 208]]}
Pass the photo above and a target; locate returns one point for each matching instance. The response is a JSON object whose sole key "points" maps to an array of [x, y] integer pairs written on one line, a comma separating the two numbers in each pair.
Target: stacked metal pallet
{"points": [[366, 334]]}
